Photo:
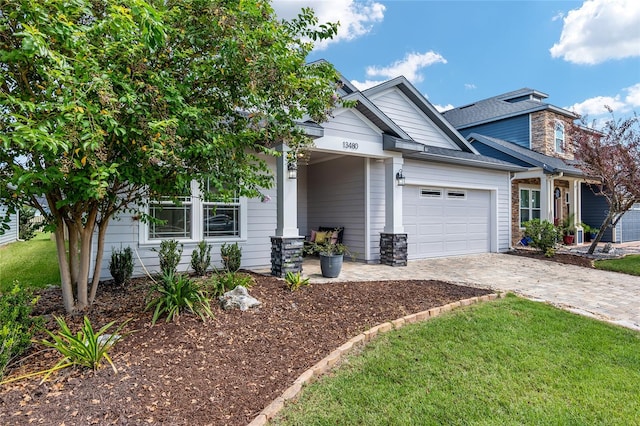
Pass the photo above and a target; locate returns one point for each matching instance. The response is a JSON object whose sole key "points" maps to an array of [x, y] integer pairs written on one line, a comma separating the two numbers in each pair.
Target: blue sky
{"points": [[583, 54]]}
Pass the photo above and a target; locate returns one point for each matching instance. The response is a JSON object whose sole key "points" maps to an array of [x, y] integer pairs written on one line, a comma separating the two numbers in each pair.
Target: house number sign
{"points": [[350, 145]]}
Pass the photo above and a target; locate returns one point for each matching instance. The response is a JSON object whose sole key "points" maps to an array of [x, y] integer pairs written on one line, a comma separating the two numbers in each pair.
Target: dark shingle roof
{"points": [[511, 104], [547, 163]]}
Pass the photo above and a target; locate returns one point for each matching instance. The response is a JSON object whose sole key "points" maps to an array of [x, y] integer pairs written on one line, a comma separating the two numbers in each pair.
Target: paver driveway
{"points": [[606, 295]]}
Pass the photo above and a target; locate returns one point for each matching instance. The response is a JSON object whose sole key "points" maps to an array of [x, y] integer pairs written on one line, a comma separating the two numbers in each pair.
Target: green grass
{"points": [[629, 264], [33, 263], [508, 362]]}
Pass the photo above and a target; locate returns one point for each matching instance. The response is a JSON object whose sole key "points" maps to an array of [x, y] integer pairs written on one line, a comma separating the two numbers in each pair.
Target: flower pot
{"points": [[567, 239], [331, 264]]}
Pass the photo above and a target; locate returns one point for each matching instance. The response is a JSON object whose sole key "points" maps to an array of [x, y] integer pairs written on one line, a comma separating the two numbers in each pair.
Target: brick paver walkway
{"points": [[605, 295]]}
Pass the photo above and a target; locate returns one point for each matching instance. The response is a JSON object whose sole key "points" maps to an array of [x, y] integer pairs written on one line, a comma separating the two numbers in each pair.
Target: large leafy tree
{"points": [[611, 156], [107, 103]]}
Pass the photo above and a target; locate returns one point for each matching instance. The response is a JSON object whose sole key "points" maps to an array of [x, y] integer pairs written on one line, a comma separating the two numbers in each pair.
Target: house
{"points": [[12, 234], [521, 128], [392, 171]]}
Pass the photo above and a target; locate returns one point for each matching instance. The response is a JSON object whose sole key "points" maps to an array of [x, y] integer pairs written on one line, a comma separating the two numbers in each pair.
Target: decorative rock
{"points": [[238, 298]]}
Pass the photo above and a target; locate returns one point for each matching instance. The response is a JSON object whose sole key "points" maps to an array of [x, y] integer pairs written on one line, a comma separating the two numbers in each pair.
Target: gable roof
{"points": [[376, 116], [425, 106], [507, 105], [535, 159]]}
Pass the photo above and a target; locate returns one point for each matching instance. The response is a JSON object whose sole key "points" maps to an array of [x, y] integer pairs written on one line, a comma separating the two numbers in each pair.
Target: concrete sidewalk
{"points": [[609, 296]]}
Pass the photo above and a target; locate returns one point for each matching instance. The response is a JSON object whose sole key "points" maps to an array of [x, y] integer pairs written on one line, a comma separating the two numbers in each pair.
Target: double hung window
{"points": [[529, 204]]}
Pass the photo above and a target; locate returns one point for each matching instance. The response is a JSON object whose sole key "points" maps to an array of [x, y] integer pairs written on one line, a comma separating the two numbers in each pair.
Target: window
{"points": [[196, 219], [176, 220], [456, 195], [559, 137], [430, 193], [529, 204]]}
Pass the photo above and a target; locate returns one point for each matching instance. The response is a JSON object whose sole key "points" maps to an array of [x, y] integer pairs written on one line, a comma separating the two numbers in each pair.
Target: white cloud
{"points": [[408, 67], [600, 30], [442, 108], [470, 86], [364, 85], [356, 17], [558, 16], [620, 104]]}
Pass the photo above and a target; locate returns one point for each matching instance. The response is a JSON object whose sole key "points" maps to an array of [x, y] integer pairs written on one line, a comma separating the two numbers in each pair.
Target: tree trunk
{"points": [[84, 260], [603, 229], [102, 231], [65, 272]]}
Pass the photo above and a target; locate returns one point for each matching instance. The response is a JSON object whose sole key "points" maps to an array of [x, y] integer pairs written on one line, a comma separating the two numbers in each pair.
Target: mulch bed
{"points": [[566, 258], [220, 372]]}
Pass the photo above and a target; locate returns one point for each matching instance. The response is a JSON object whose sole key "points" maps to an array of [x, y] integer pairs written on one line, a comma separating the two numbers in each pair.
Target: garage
{"points": [[446, 221]]}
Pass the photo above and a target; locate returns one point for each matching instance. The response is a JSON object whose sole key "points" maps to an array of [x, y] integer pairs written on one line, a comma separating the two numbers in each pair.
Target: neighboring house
{"points": [[453, 200], [10, 235], [519, 127]]}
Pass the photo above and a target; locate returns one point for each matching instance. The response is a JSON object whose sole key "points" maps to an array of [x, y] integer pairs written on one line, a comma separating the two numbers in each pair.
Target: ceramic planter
{"points": [[331, 264]]}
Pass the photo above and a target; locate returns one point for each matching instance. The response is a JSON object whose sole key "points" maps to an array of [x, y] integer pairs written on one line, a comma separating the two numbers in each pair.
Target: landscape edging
{"points": [[328, 362]]}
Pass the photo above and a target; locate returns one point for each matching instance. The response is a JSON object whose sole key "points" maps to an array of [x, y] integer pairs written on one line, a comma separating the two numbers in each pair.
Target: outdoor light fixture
{"points": [[292, 169], [400, 178]]}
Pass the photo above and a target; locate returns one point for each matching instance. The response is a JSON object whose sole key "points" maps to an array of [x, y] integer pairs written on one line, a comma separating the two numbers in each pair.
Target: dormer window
{"points": [[559, 137]]}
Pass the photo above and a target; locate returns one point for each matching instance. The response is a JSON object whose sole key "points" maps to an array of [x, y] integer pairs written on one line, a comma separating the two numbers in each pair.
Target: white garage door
{"points": [[446, 222]]}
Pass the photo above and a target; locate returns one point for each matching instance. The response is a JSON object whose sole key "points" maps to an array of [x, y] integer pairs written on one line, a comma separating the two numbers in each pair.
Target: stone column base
{"points": [[393, 249], [286, 255]]}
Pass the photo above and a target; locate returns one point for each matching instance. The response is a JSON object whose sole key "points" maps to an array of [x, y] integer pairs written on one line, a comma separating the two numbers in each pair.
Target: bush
{"points": [[542, 234], [121, 265], [178, 294], [201, 258], [26, 229], [231, 257], [87, 348], [16, 324], [295, 281], [221, 283], [169, 256]]}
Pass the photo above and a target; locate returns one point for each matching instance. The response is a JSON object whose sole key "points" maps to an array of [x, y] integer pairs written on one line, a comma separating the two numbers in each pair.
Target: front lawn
{"points": [[33, 263], [509, 362], [629, 264]]}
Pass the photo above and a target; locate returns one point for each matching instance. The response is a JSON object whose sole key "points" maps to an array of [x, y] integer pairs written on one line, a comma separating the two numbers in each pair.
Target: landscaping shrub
{"points": [[542, 235], [16, 324], [169, 256], [177, 294], [86, 348], [231, 256], [201, 258], [121, 265], [26, 229], [295, 281], [222, 282]]}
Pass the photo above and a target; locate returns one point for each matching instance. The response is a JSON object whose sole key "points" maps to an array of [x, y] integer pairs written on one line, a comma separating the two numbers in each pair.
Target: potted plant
{"points": [[568, 229], [331, 256], [587, 232], [593, 232]]}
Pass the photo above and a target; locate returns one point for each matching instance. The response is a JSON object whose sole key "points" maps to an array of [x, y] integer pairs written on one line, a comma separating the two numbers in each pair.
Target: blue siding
{"points": [[515, 129], [594, 210], [494, 153]]}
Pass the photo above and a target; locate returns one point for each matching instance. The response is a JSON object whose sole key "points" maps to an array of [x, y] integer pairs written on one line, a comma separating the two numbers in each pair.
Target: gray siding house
{"points": [[10, 235], [521, 128], [453, 201]]}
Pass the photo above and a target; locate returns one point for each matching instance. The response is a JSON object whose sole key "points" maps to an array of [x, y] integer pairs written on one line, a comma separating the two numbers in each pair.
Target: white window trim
{"points": [[197, 214], [462, 197], [555, 139], [528, 188], [438, 190]]}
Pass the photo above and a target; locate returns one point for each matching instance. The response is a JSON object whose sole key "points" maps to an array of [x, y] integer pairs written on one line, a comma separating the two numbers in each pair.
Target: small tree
{"points": [[611, 156], [542, 235], [107, 104], [27, 230]]}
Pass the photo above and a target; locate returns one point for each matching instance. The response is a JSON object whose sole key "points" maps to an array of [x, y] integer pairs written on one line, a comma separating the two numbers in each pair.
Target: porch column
{"points": [[287, 244], [393, 241], [546, 198], [575, 203]]}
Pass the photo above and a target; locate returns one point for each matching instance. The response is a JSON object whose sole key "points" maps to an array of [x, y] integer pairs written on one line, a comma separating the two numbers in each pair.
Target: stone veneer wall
{"points": [[543, 134], [286, 255], [516, 232], [393, 249]]}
